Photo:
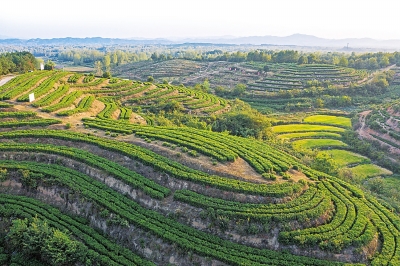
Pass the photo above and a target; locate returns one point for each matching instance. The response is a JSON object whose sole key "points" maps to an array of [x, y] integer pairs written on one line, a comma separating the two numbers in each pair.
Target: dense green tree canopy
{"points": [[36, 239], [243, 121], [17, 62]]}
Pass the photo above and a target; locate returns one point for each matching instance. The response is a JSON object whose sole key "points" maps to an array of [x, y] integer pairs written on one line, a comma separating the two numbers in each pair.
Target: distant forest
{"points": [[20, 62], [107, 59]]}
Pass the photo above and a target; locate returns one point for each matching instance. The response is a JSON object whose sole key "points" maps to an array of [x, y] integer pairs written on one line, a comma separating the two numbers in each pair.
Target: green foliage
{"points": [[325, 163], [243, 121], [21, 62], [88, 78], [97, 245], [37, 239], [49, 65], [168, 229], [302, 60], [3, 175], [107, 75]]}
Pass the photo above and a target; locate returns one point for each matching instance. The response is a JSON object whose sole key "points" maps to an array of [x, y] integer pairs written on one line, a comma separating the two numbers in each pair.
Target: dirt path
{"points": [[369, 79], [6, 79], [362, 131]]}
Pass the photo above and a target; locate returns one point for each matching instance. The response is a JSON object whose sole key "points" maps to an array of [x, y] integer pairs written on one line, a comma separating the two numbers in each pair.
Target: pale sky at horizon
{"points": [[195, 19]]}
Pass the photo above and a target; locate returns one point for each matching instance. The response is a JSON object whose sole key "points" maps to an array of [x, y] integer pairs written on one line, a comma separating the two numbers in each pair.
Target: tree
{"points": [[107, 75], [376, 184], [384, 61], [325, 163], [312, 58], [319, 103], [373, 63], [302, 60], [335, 60], [36, 239], [150, 79], [107, 62], [239, 89], [49, 65], [98, 67], [243, 121], [343, 61], [77, 59], [114, 58], [154, 56], [205, 86]]}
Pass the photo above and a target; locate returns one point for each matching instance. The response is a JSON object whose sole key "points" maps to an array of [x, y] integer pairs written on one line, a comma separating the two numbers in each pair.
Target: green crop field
{"points": [[317, 143], [344, 158], [136, 173], [310, 134], [329, 119], [304, 128], [369, 170]]}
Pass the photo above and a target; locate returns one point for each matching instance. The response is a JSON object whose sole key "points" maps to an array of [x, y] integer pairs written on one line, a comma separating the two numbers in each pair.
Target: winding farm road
{"points": [[5, 80]]}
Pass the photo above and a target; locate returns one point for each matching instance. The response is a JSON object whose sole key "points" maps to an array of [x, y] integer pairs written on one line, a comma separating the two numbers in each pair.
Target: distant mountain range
{"points": [[304, 40], [81, 41], [292, 40]]}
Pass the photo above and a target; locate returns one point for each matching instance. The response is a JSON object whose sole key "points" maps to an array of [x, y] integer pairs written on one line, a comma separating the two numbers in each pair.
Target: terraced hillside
{"points": [[136, 194], [324, 133], [298, 76], [189, 73], [278, 77], [67, 94]]}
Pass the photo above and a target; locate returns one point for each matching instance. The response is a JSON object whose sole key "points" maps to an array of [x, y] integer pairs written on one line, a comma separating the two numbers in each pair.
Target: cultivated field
{"points": [[137, 194]]}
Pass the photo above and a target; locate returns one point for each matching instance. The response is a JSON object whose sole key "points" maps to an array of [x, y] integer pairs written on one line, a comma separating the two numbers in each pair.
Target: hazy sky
{"points": [[332, 19]]}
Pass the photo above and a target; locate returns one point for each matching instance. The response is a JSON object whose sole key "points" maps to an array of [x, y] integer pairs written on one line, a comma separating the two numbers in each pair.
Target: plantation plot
{"points": [[329, 142], [304, 128], [317, 143], [290, 136], [369, 170], [291, 76], [128, 179], [344, 158], [329, 119]]}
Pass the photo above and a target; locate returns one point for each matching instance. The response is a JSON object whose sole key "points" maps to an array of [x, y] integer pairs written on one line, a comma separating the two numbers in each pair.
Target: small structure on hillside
{"points": [[31, 97]]}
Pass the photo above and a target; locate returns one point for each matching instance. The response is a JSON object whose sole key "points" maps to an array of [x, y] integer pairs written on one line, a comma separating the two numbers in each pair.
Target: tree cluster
{"points": [[243, 121], [37, 240], [20, 62]]}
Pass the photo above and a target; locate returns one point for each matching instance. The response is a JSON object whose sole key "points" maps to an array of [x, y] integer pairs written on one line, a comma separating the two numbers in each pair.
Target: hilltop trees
{"points": [[17, 62]]}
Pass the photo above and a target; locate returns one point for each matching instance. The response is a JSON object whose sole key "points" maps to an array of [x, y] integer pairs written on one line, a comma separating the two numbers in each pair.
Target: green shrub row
{"points": [[101, 249], [183, 236], [129, 177]]}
